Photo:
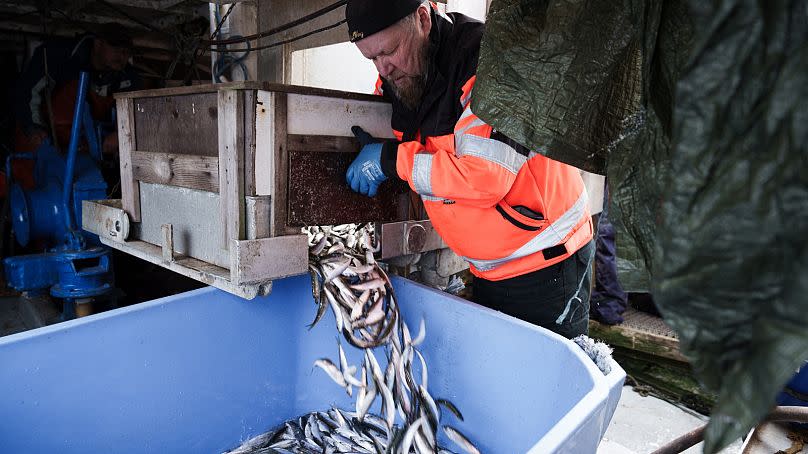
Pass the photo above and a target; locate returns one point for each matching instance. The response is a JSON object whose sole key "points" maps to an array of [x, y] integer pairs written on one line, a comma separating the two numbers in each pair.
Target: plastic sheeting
{"points": [[698, 113]]}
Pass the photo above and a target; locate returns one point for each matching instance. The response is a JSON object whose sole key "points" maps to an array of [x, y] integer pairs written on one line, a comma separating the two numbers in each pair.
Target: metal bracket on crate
{"points": [[105, 218], [408, 237]]}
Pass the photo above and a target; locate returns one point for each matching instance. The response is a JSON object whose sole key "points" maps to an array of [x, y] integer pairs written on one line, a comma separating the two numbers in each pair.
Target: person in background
{"points": [[46, 91], [608, 301], [520, 219]]}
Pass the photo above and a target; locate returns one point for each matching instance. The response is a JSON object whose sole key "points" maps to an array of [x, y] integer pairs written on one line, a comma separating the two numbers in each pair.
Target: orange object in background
{"points": [[63, 102]]}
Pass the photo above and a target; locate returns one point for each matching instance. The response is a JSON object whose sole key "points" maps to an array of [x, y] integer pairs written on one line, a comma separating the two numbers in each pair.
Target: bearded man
{"points": [[519, 218]]}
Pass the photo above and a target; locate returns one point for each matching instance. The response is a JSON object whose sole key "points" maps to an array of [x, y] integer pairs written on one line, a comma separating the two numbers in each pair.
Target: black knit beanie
{"points": [[366, 17]]}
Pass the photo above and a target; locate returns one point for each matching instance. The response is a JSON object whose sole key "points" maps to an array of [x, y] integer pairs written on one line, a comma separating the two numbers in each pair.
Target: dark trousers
{"points": [[556, 297]]}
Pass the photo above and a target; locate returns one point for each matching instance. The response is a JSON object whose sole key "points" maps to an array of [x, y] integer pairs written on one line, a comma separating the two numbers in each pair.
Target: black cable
{"points": [[279, 29], [196, 52], [286, 41]]}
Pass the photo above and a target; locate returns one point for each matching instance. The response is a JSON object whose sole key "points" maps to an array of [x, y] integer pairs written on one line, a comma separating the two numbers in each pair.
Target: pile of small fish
{"points": [[346, 278], [335, 431]]}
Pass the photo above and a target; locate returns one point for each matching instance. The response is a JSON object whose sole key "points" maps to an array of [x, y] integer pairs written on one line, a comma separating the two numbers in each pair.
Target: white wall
{"points": [[337, 66], [471, 8], [342, 67]]}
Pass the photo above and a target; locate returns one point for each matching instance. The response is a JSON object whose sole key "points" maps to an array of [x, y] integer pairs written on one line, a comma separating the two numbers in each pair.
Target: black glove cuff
{"points": [[389, 157]]}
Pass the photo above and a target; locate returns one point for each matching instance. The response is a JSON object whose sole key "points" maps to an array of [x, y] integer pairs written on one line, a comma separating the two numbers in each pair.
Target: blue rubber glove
{"points": [[365, 173]]}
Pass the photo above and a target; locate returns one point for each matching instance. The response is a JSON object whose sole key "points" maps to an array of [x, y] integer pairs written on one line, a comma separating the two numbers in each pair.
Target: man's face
{"points": [[109, 58], [400, 55]]}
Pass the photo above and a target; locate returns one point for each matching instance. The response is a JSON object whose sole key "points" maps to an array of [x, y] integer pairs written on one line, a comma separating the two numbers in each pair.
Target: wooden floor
{"points": [[641, 332]]}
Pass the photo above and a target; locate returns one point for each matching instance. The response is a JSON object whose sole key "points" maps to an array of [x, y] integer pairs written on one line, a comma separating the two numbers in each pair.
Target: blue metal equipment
{"points": [[76, 267]]}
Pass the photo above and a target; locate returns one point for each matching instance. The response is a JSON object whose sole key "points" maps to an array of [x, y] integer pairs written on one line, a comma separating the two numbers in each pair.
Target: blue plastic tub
{"points": [[796, 392], [201, 371]]}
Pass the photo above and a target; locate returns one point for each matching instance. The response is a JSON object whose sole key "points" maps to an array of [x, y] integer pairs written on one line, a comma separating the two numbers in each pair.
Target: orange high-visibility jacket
{"points": [[506, 210]]}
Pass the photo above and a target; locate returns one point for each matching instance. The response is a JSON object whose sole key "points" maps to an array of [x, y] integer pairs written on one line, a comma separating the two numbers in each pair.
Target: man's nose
{"points": [[384, 67]]}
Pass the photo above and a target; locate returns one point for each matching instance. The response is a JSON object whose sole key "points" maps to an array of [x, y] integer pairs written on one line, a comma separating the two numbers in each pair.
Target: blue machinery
{"points": [[76, 267]]}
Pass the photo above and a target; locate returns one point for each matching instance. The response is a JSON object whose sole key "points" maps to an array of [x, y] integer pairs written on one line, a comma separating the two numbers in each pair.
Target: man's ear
{"points": [[425, 18]]}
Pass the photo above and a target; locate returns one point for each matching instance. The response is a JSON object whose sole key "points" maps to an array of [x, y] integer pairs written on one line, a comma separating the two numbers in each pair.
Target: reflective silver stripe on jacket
{"points": [[553, 235], [431, 198], [422, 173], [489, 149]]}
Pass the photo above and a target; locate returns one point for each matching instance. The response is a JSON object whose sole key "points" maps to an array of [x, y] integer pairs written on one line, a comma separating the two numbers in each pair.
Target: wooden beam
{"points": [[250, 98], [130, 188], [186, 171], [264, 143], [231, 164], [280, 169], [641, 332], [298, 142]]}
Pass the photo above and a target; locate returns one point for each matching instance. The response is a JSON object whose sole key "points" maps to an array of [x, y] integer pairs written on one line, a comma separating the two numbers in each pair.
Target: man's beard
{"points": [[411, 95]]}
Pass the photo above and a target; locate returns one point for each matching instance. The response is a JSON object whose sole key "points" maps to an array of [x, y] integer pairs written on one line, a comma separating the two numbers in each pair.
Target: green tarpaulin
{"points": [[698, 113]]}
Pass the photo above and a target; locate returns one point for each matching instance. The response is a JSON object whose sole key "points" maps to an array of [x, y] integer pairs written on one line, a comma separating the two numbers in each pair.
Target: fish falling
{"points": [[347, 279]]}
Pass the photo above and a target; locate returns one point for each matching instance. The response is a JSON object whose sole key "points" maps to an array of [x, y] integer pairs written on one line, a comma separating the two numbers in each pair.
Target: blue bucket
{"points": [[202, 371]]}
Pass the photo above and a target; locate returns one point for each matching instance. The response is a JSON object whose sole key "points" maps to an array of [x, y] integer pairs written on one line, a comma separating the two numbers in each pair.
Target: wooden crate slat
{"points": [[280, 171], [130, 189], [299, 142], [187, 171], [178, 124], [250, 105], [231, 164]]}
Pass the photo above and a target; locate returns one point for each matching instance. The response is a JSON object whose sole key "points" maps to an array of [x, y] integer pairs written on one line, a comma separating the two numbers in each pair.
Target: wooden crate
{"points": [[217, 180]]}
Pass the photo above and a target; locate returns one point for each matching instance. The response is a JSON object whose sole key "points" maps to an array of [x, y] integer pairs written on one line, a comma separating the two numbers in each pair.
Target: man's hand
{"points": [[365, 173]]}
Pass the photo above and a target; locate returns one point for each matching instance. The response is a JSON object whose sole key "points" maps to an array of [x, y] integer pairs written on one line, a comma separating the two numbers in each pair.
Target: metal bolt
{"points": [[416, 238]]}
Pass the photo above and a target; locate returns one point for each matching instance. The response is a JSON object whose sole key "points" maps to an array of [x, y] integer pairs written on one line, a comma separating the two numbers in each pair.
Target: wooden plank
{"points": [[633, 335], [280, 170], [187, 171], [269, 258], [178, 124], [264, 143], [250, 107], [130, 188], [248, 85], [328, 116], [298, 142], [195, 269], [231, 164]]}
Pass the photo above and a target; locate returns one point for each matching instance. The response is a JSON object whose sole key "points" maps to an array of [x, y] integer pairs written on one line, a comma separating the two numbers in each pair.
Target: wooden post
{"points": [[250, 98], [130, 188], [231, 165], [280, 169]]}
